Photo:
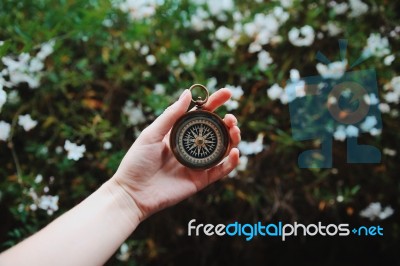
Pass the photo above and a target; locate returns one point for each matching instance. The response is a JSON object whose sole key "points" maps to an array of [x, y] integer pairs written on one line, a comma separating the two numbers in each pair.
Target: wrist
{"points": [[124, 201]]}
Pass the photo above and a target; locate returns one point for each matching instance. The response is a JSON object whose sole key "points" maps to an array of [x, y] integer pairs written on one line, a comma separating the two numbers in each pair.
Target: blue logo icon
{"points": [[341, 106]]}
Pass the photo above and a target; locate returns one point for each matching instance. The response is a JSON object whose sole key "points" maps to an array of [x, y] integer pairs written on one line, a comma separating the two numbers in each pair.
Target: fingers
{"points": [[223, 169], [217, 99], [234, 131], [230, 120], [160, 127]]}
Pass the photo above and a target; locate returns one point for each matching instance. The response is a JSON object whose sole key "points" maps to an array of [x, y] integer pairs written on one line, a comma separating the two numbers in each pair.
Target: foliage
{"points": [[112, 67]]}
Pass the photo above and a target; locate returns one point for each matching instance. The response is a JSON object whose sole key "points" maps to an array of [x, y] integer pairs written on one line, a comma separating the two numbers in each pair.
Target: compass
{"points": [[199, 139]]}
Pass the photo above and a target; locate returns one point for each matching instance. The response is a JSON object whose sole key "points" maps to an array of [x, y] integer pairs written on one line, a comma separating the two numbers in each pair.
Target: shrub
{"points": [[79, 81]]}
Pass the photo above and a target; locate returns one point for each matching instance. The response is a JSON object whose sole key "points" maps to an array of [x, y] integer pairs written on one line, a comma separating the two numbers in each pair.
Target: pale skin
{"points": [[148, 179]]}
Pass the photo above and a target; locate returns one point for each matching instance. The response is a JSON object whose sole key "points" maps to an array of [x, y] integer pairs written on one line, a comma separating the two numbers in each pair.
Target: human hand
{"points": [[150, 174]]}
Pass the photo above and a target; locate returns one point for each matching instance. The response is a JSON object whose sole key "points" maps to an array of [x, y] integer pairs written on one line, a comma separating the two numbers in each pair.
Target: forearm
{"points": [[88, 234]]}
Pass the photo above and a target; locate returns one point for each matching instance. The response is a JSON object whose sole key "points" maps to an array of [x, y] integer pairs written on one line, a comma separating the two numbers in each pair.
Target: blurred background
{"points": [[79, 81]]}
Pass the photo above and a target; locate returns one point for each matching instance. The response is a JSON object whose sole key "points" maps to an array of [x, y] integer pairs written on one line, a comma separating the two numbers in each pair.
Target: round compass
{"points": [[199, 139]]}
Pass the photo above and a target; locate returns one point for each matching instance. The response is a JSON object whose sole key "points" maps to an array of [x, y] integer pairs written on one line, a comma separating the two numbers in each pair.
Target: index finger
{"points": [[217, 99]]}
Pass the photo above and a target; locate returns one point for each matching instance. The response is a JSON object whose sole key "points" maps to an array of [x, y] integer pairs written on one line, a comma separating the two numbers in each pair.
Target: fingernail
{"points": [[183, 93]]}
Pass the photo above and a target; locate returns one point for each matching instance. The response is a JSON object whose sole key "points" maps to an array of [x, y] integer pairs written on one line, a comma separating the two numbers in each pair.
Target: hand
{"points": [[150, 174]]}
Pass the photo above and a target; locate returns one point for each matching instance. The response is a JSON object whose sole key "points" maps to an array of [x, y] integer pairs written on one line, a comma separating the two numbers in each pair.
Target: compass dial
{"points": [[199, 139]]}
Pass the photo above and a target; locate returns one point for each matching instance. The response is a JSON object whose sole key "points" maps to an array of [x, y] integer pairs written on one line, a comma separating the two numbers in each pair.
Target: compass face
{"points": [[199, 139]]}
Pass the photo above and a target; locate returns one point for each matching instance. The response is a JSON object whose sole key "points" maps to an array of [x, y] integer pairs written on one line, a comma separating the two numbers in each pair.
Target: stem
{"points": [[11, 144], [16, 161]]}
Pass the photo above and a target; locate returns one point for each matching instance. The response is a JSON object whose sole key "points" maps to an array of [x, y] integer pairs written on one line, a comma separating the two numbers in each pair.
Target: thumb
{"points": [[160, 127]]}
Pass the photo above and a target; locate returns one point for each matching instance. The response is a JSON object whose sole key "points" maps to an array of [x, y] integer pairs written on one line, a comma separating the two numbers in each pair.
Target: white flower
{"points": [[128, 45], [107, 145], [388, 60], [389, 152], [21, 207], [332, 100], [217, 7], [151, 59], [250, 29], [188, 59], [384, 108], [254, 47], [38, 179], [33, 207], [46, 50], [376, 46], [5, 129], [243, 160], [13, 97], [231, 105], [138, 9], [124, 253], [237, 16], [159, 89], [49, 203], [107, 23], [264, 28], [280, 14], [58, 150], [334, 70], [19, 63], [339, 198], [233, 173], [339, 9], [144, 50], [35, 65], [3, 97], [237, 91], [33, 80], [300, 89], [200, 20], [294, 75], [264, 60], [135, 114], [275, 92], [375, 132], [223, 33], [302, 37], [146, 74], [75, 152], [25, 68], [247, 148], [395, 84], [286, 3], [371, 99], [284, 98], [369, 123], [212, 84], [392, 97], [352, 131], [333, 29], [374, 211], [358, 8], [27, 122], [294, 89], [340, 133]]}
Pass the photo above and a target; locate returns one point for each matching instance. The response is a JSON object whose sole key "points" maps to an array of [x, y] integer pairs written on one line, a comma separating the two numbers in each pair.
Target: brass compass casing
{"points": [[199, 139]]}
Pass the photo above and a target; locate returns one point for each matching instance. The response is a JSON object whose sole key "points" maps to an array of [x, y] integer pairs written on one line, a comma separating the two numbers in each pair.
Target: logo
{"points": [[341, 105], [281, 230]]}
